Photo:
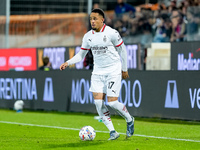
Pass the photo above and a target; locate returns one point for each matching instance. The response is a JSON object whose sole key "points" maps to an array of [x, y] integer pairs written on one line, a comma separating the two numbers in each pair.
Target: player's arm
{"points": [[121, 49], [78, 57]]}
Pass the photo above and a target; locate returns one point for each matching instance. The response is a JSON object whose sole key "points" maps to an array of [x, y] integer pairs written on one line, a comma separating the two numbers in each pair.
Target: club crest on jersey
{"points": [[104, 38]]}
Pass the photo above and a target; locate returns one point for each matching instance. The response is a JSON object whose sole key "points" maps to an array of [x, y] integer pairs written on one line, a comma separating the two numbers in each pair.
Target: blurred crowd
{"points": [[170, 21]]}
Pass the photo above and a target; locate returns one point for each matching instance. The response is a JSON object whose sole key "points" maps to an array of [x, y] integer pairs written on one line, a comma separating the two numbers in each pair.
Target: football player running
{"points": [[107, 46]]}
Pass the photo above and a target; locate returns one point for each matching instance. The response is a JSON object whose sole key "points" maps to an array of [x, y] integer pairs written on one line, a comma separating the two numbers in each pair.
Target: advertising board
{"points": [[18, 59], [162, 94], [185, 56]]}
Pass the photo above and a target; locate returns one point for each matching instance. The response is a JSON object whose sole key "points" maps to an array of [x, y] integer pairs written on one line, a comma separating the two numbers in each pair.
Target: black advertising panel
{"points": [[40, 90], [168, 94], [81, 99], [185, 56], [163, 94]]}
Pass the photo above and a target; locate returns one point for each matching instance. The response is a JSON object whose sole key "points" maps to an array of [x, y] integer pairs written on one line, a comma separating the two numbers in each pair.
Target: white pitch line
{"points": [[65, 128]]}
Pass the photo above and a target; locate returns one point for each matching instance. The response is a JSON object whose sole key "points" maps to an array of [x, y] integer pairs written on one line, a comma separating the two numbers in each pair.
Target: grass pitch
{"points": [[59, 131]]}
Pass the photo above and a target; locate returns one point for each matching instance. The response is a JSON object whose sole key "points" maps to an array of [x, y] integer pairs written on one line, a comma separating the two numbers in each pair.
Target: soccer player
{"points": [[107, 46]]}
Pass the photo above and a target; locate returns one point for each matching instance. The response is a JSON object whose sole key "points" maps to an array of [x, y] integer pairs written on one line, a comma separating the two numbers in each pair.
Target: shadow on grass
{"points": [[76, 144]]}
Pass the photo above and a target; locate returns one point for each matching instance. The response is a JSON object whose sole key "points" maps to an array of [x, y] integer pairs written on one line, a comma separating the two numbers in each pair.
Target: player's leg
{"points": [[113, 90], [97, 87], [104, 113], [121, 109], [102, 110]]}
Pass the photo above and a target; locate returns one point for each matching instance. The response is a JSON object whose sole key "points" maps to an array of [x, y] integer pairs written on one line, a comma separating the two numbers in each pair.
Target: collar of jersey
{"points": [[102, 29]]}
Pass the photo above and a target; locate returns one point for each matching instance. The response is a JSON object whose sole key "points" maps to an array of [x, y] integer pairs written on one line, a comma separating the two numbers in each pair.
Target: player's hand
{"points": [[63, 66], [125, 75]]}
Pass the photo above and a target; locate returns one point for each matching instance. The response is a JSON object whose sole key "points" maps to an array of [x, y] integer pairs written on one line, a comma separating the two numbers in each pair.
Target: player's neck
{"points": [[99, 29]]}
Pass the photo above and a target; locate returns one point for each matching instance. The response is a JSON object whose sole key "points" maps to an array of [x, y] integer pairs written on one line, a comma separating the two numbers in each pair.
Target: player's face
{"points": [[96, 21]]}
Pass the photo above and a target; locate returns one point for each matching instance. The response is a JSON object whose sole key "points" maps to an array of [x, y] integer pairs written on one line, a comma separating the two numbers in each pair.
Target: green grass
{"points": [[45, 137]]}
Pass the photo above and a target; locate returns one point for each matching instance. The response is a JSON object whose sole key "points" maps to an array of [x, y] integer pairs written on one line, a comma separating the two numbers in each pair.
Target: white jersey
{"points": [[102, 44]]}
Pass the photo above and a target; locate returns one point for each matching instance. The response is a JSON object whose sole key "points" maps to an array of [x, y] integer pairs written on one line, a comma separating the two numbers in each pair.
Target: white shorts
{"points": [[110, 85]]}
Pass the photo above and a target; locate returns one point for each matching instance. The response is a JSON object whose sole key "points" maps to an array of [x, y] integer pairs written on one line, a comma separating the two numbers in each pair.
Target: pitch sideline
{"points": [[65, 128]]}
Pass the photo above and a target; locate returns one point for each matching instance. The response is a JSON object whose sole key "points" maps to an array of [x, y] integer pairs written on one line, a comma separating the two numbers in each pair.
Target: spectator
{"points": [[134, 23], [168, 29], [118, 26], [146, 31], [192, 26], [183, 8], [122, 8], [46, 64], [95, 5], [178, 27], [125, 25], [163, 30], [172, 6]]}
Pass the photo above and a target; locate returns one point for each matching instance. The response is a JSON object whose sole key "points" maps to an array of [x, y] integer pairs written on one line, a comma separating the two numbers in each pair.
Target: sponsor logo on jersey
{"points": [[99, 48], [171, 99]]}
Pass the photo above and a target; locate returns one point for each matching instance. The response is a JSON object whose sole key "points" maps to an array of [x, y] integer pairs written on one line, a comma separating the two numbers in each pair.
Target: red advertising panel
{"points": [[18, 59]]}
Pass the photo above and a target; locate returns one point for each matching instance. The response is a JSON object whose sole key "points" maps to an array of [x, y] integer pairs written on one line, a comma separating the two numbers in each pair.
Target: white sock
{"points": [[104, 113], [121, 109]]}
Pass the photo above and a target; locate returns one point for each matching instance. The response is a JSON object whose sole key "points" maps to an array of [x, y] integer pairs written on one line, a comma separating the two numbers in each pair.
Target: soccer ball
{"points": [[18, 105], [87, 133]]}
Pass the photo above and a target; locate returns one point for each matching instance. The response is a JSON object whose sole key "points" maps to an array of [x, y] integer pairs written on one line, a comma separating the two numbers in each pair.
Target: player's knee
{"points": [[112, 99], [98, 103], [113, 104]]}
